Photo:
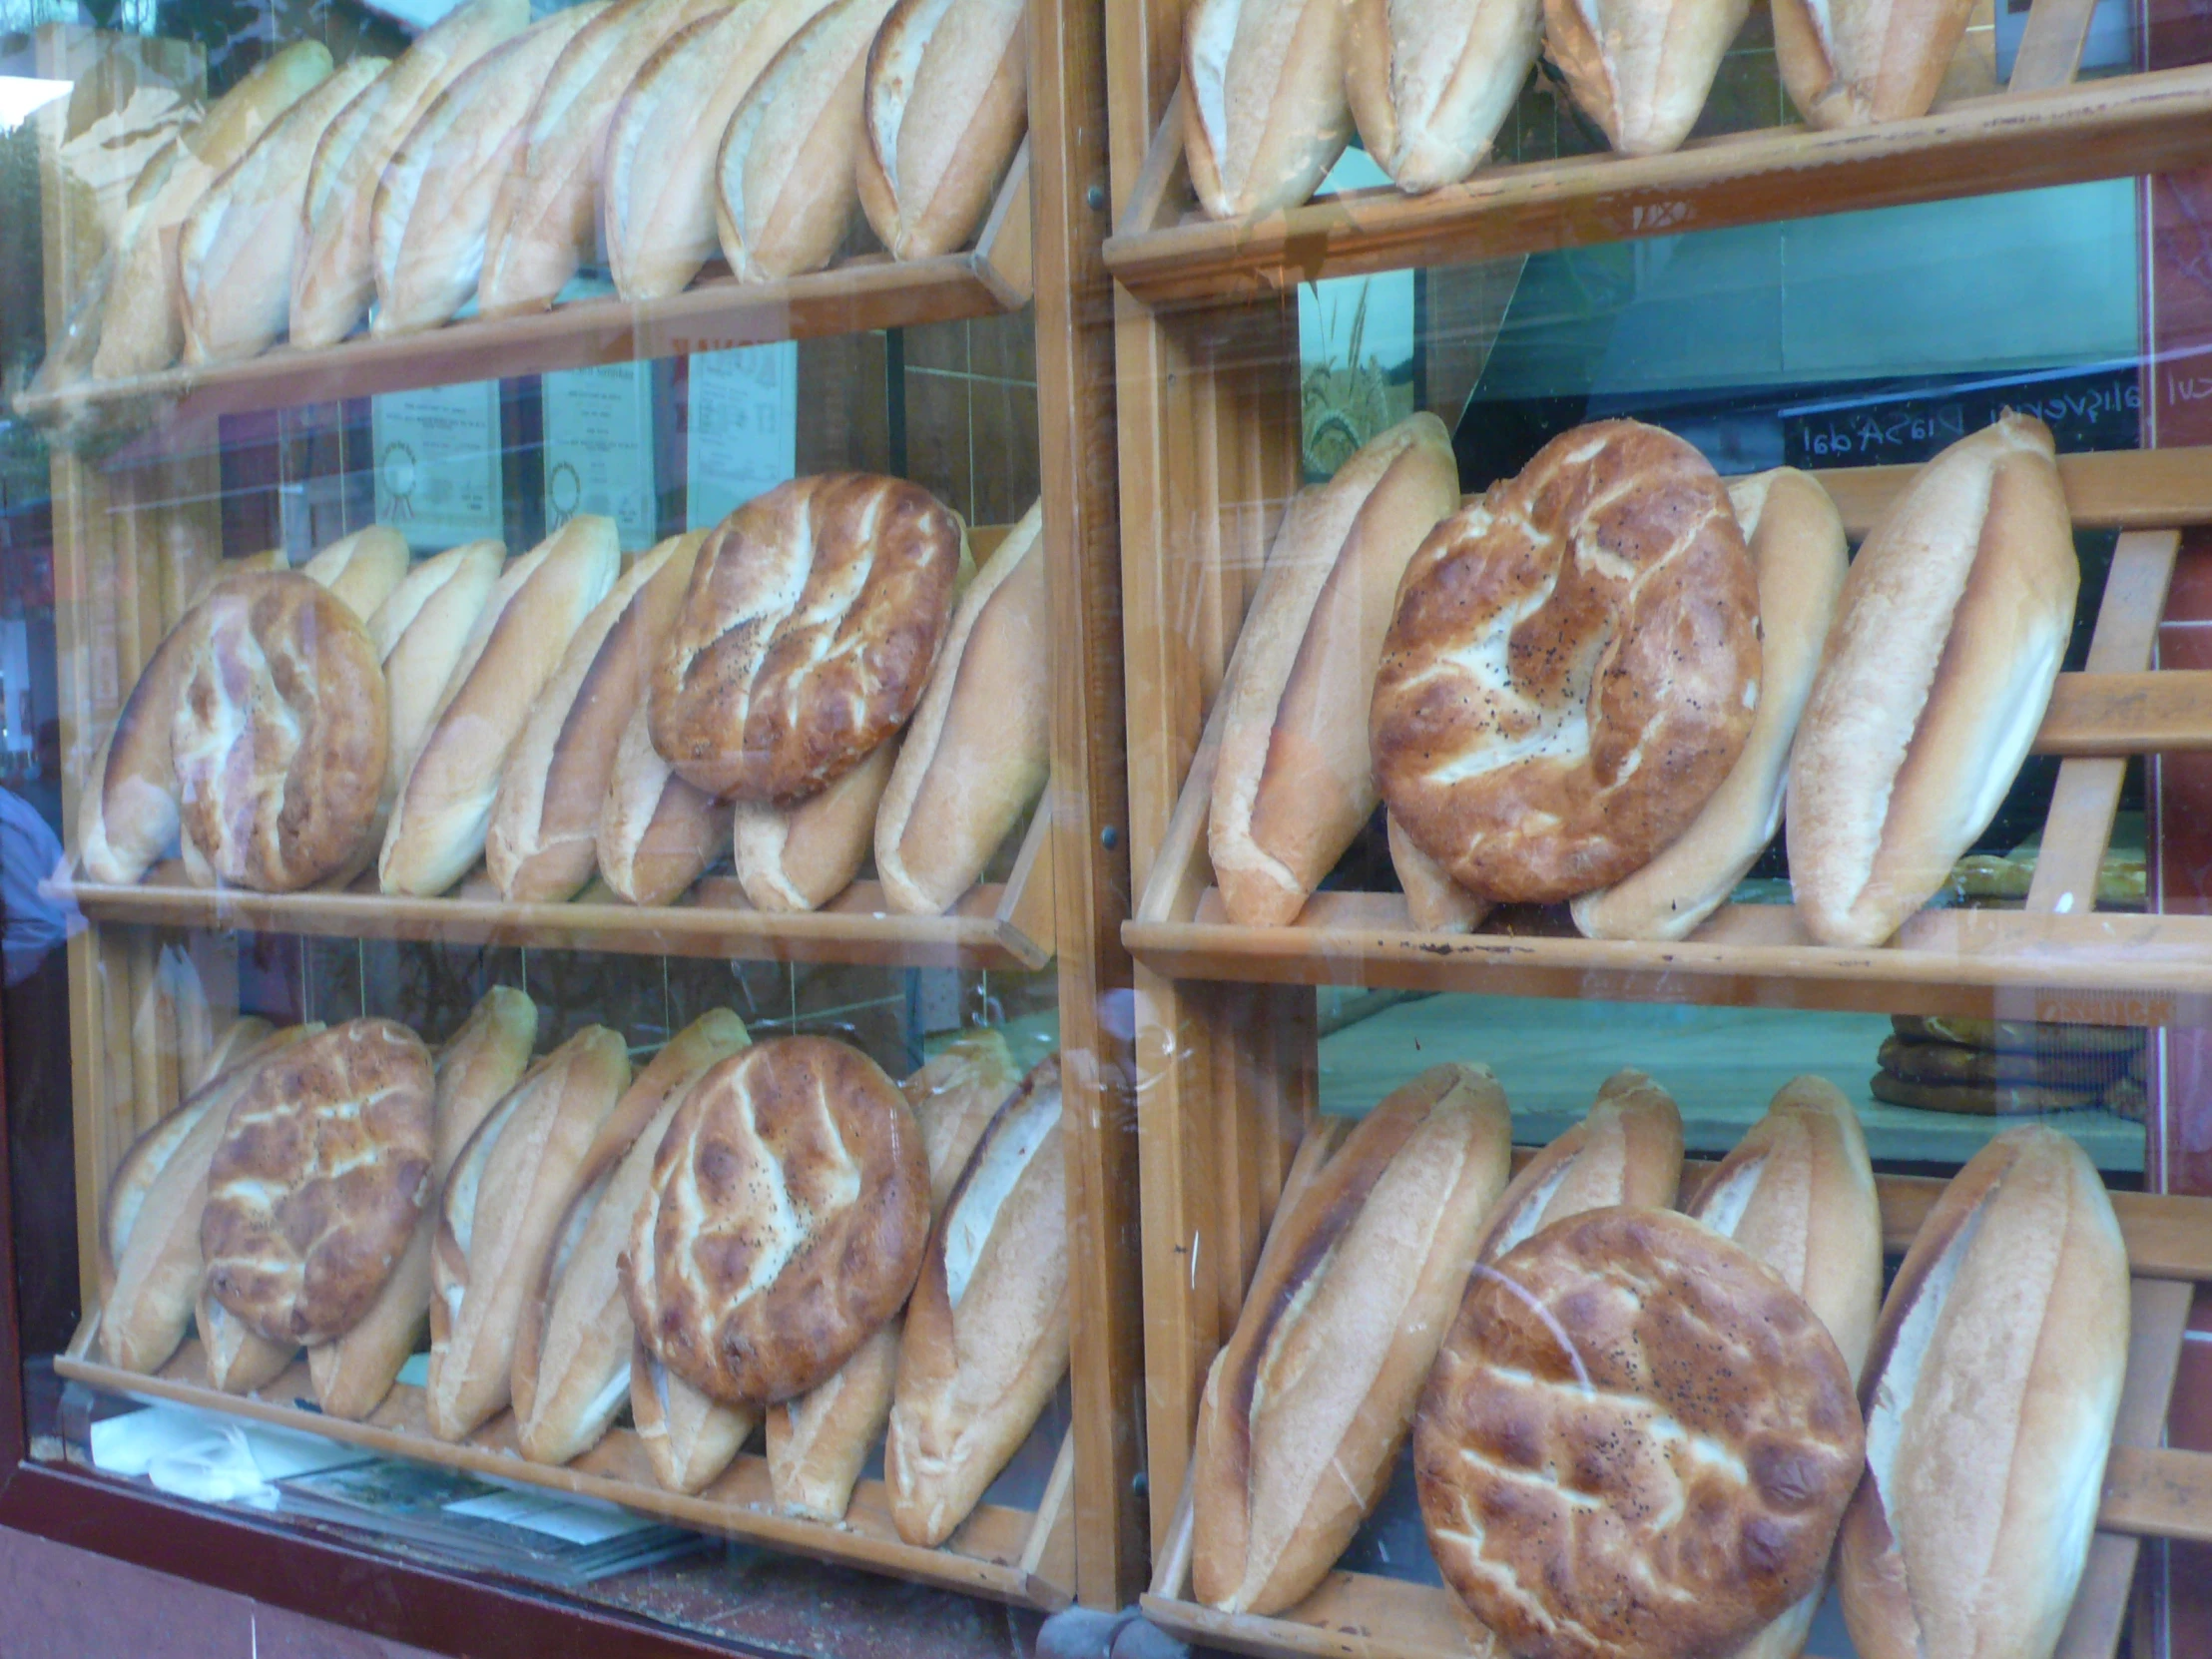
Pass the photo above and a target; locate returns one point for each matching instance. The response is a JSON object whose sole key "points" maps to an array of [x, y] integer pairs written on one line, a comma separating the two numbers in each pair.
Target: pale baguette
{"points": [[362, 569], [420, 631], [1265, 115], [1641, 69], [1431, 82], [946, 105], [801, 856], [690, 1438], [657, 833], [1626, 1150], [238, 1357], [1434, 903], [130, 809], [1849, 63]]}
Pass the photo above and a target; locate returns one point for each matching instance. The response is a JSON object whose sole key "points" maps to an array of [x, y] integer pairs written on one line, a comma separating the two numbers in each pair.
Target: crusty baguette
{"points": [[545, 218], [1431, 82], [985, 1340], [540, 846], [945, 103], [476, 1068], [979, 747], [801, 856], [1797, 542], [433, 204], [1263, 109], [1626, 1150], [573, 1340], [497, 1215], [657, 833], [130, 811], [420, 631], [1434, 903], [785, 191], [688, 1435], [236, 249], [1946, 644], [1295, 782], [818, 1442], [238, 1357], [335, 278], [362, 569], [444, 804], [657, 198], [1641, 69], [1847, 63], [140, 330], [1991, 1395], [1362, 1269]]}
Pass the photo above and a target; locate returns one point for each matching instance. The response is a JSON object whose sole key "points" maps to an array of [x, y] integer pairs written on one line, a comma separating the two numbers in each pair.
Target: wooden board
{"points": [[1008, 1554]]}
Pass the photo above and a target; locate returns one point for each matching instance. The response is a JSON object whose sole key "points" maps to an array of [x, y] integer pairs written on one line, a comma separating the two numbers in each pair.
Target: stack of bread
{"points": [[1650, 1433], [498, 156], [1599, 682], [1275, 89], [825, 662], [891, 1271], [1993, 1068]]}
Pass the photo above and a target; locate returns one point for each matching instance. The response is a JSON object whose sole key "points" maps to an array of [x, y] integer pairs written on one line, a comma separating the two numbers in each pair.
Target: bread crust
{"points": [[362, 570], [657, 833], [801, 856], [419, 633], [1795, 538], [689, 1436], [1434, 903], [1263, 109], [1641, 70], [238, 1359], [1947, 641], [1307, 1405], [1431, 83], [945, 107], [978, 750], [1848, 64], [130, 811], [1627, 1149]]}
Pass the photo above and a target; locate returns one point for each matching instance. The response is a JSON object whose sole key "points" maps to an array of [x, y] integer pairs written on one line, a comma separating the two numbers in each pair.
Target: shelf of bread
{"points": [[2053, 954], [1169, 252]]}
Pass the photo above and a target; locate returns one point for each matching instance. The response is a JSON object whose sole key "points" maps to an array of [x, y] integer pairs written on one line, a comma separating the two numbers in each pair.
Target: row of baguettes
{"points": [[1276, 87], [497, 157], [1634, 1432], [1601, 682], [512, 1203], [296, 726]]}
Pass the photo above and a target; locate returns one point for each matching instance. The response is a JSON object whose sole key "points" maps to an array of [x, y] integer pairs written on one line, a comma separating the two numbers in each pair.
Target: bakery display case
{"points": [[1662, 572], [560, 608]]}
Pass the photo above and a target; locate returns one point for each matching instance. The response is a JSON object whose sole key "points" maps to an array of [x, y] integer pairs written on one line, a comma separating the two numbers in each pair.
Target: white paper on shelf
{"points": [[741, 431], [199, 1454], [577, 1520]]}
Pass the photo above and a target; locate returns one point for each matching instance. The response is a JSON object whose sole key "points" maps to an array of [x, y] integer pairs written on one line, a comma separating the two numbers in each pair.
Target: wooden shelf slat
{"points": [[2112, 128]]}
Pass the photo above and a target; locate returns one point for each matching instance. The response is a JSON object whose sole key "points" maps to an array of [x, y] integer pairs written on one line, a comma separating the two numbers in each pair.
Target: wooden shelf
{"points": [[1008, 1554], [1167, 254], [715, 314]]}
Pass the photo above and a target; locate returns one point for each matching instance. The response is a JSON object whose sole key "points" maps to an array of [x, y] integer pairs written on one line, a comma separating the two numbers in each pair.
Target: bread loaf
{"points": [[784, 190], [499, 1212], [1847, 63], [129, 812], [540, 846], [419, 633], [1296, 783], [573, 1339], [657, 204], [1365, 1267], [1626, 1150], [362, 569], [657, 833], [335, 278], [1263, 109], [801, 856], [945, 107], [444, 804], [239, 1042], [1431, 82], [238, 1359], [545, 218], [980, 748], [1991, 1395], [689, 1436], [236, 247], [474, 1071], [1641, 69], [1948, 640], [1796, 546], [1434, 903]]}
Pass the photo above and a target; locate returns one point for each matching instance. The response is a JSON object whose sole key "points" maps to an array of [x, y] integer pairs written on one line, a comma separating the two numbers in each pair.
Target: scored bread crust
{"points": [[1990, 1396], [237, 1357], [689, 1436], [1307, 1407], [335, 278], [1948, 640], [1641, 69], [801, 856], [1849, 63], [980, 748], [815, 615], [474, 1071], [1796, 546], [658, 193], [1263, 109], [1626, 1150], [1295, 781], [540, 846], [1431, 82], [362, 570], [419, 633], [130, 810], [946, 105], [657, 833]]}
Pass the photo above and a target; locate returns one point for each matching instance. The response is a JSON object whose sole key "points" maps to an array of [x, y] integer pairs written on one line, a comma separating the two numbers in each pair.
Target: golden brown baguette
{"points": [[784, 190], [801, 856], [689, 1436], [1947, 641], [1263, 109], [1991, 1395], [238, 1357], [945, 103], [362, 569], [979, 747], [573, 1341], [1362, 1269], [1431, 82], [540, 844], [237, 247], [1434, 903], [335, 278], [497, 1215], [1295, 782], [1641, 69], [657, 833], [444, 804], [1795, 538], [657, 198], [1626, 1150], [1847, 63], [475, 1069]]}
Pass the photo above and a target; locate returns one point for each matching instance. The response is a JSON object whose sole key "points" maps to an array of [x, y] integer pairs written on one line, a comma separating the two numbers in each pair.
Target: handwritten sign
{"points": [[2093, 408]]}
